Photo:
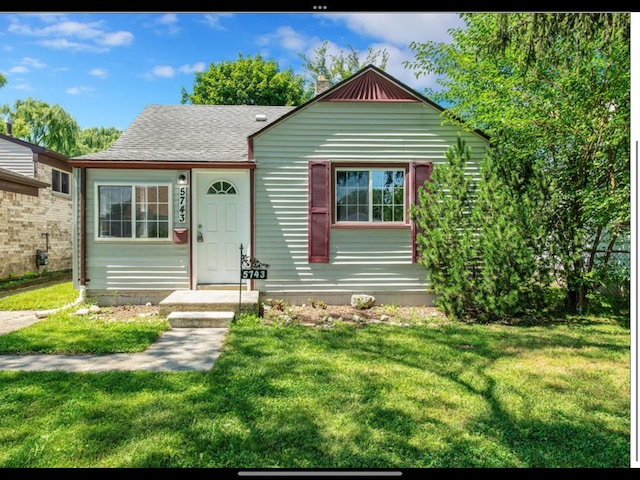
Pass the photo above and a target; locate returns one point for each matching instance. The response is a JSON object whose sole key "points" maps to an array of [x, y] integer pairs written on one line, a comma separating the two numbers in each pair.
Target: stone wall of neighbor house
{"points": [[24, 221]]}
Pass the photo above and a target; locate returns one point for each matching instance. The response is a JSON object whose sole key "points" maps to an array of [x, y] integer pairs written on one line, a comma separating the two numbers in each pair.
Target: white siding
{"points": [[16, 158], [133, 265], [361, 260]]}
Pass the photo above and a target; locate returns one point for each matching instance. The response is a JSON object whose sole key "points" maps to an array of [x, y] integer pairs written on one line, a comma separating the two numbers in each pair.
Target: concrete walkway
{"points": [[178, 349], [10, 321]]}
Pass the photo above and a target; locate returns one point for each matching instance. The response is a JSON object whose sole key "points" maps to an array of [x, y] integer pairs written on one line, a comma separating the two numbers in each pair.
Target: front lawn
{"points": [[44, 298], [436, 394]]}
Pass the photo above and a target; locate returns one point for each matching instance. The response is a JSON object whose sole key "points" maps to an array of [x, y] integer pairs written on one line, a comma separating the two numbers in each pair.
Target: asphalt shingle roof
{"points": [[190, 133]]}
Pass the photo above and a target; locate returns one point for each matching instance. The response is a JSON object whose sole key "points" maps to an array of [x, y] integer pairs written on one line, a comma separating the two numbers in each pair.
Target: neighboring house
{"points": [[320, 193], [35, 209]]}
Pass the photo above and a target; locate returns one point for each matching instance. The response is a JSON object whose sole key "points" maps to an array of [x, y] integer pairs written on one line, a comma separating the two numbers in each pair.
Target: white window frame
{"points": [[61, 172], [133, 237], [370, 170]]}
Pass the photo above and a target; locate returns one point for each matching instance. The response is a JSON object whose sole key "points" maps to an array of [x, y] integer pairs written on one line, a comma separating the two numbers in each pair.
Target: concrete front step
{"points": [[209, 301], [232, 288], [200, 319]]}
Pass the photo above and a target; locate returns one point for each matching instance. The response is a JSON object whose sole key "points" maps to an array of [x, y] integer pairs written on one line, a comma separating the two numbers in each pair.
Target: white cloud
{"points": [[167, 19], [61, 29], [401, 28], [84, 31], [286, 37], [98, 72], [213, 21], [33, 62], [26, 64], [49, 17], [116, 39], [166, 24], [164, 71], [167, 71], [64, 44], [196, 67], [19, 28], [21, 86], [79, 90], [62, 34]]}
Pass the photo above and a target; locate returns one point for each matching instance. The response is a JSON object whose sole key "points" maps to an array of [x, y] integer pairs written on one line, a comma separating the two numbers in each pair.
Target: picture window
{"points": [[372, 195], [134, 211]]}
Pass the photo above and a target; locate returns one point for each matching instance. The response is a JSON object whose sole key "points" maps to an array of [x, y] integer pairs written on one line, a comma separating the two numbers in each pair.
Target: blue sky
{"points": [[104, 68]]}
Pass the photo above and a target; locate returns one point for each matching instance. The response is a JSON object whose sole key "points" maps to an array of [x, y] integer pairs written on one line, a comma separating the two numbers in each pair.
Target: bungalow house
{"points": [[315, 199], [36, 208]]}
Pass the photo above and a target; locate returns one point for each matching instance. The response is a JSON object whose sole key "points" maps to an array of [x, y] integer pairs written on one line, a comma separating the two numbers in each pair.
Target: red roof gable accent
{"points": [[370, 87]]}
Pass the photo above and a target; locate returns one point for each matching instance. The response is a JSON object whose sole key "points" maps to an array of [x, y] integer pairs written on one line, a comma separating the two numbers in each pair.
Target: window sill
{"points": [[369, 225], [134, 240], [60, 194]]}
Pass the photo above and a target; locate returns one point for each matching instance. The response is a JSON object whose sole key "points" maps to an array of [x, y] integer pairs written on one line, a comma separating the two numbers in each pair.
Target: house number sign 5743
{"points": [[251, 268], [254, 274], [182, 204]]}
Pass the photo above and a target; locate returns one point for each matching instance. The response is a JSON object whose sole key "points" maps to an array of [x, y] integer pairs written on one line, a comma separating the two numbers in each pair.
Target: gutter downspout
{"points": [[83, 234]]}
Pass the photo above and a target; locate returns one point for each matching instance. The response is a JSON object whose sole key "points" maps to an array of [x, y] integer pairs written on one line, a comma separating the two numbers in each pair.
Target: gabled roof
{"points": [[219, 133], [190, 133], [370, 84]]}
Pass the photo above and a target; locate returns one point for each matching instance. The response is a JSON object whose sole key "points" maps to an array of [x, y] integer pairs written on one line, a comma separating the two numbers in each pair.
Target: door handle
{"points": [[200, 237]]}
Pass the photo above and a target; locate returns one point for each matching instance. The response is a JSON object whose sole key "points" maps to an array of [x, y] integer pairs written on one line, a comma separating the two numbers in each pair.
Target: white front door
{"points": [[221, 220]]}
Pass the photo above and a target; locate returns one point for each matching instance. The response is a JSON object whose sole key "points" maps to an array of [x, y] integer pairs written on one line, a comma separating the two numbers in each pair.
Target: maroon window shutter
{"points": [[421, 173], [318, 211]]}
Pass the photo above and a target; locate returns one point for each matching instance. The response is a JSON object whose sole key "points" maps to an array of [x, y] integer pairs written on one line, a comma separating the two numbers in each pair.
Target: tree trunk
{"points": [[576, 290]]}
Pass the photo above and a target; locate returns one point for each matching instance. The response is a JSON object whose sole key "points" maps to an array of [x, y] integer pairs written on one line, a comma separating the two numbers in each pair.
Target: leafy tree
{"points": [[478, 241], [3, 80], [336, 68], [446, 238], [553, 92], [511, 246], [96, 139], [246, 81], [37, 122]]}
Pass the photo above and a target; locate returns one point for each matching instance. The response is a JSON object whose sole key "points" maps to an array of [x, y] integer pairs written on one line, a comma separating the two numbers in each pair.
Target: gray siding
{"points": [[17, 158], [133, 265], [361, 260]]}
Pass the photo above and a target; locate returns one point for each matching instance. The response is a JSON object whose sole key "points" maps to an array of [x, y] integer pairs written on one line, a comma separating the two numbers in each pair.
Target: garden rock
{"points": [[363, 302]]}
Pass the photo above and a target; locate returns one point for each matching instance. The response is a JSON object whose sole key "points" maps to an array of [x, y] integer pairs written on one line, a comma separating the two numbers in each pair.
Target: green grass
{"points": [[64, 333], [45, 298], [32, 278], [433, 395]]}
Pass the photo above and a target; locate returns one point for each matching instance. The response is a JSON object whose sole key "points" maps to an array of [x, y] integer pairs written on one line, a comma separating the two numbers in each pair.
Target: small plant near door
{"points": [[317, 303], [277, 304]]}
